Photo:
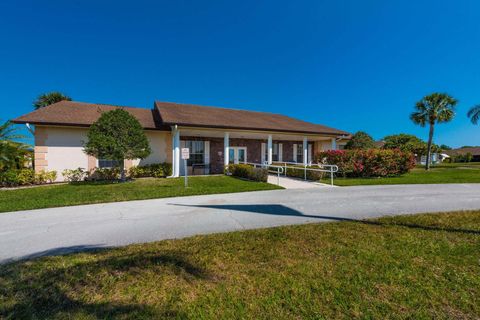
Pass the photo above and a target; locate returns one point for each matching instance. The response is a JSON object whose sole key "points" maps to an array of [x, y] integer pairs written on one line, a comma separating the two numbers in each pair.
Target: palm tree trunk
{"points": [[429, 146], [122, 170]]}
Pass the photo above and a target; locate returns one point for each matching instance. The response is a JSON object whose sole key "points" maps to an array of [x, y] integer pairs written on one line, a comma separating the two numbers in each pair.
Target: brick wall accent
{"points": [[40, 150], [92, 162]]}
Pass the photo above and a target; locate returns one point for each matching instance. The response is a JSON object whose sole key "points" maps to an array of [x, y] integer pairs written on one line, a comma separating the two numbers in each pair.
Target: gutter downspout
{"points": [[175, 128]]}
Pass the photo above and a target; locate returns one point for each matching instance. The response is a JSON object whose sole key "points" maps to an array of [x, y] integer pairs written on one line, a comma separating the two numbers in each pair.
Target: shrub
{"points": [[246, 171], [300, 173], [22, 177], [103, 174], [157, 170], [74, 175], [368, 163]]}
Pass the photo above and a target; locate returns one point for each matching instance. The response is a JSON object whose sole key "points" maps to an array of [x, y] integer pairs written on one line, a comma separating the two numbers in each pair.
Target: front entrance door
{"points": [[237, 155]]}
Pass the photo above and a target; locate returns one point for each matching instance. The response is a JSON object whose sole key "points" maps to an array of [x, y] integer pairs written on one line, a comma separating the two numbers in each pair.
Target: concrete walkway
{"points": [[291, 183], [28, 234]]}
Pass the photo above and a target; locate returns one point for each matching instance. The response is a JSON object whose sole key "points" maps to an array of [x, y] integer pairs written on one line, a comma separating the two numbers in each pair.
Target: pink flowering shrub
{"points": [[368, 163]]}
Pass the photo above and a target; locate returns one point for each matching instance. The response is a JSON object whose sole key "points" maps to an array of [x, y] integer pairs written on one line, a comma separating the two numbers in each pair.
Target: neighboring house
{"points": [[474, 151], [215, 136]]}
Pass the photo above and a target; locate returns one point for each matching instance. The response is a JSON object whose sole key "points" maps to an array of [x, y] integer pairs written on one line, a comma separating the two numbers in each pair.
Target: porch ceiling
{"points": [[243, 134]]}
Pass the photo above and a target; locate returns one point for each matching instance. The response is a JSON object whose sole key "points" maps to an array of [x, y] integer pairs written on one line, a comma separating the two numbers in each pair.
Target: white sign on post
{"points": [[185, 153], [185, 157]]}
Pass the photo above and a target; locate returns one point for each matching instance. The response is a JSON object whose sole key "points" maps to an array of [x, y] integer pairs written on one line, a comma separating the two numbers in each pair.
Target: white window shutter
{"points": [[294, 152], [264, 148], [206, 157], [280, 152]]}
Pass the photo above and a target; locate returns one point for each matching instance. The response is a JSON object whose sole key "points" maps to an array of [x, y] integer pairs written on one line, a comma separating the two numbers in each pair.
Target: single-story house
{"points": [[215, 136], [474, 151]]}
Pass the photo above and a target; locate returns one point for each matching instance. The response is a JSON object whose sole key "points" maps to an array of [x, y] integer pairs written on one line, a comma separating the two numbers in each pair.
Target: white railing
{"points": [[285, 166], [279, 170]]}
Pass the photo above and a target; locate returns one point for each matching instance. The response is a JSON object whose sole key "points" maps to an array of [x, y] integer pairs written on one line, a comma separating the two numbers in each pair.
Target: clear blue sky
{"points": [[354, 65]]}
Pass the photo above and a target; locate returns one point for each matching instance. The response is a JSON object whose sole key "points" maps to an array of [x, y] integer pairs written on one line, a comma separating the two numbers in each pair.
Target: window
{"points": [[275, 152], [105, 163], [197, 152]]}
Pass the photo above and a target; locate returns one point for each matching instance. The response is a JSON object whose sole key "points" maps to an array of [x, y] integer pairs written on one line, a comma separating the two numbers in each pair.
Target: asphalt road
{"points": [[35, 233]]}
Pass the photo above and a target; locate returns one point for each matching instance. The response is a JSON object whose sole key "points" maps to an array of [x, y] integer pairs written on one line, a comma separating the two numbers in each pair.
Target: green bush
{"points": [[300, 173], [103, 174], [156, 170], [74, 175], [247, 172], [23, 177]]}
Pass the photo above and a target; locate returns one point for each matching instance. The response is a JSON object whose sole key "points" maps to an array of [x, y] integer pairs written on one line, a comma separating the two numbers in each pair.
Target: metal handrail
{"points": [[278, 172]]}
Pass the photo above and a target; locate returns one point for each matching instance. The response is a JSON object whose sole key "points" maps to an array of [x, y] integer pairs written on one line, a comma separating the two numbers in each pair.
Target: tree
{"points": [[12, 154], [117, 135], [433, 109], [407, 143], [360, 140], [47, 99], [445, 147], [474, 114]]}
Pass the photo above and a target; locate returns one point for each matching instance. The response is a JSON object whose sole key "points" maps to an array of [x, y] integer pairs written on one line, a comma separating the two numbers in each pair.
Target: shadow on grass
{"points": [[39, 292], [281, 210]]}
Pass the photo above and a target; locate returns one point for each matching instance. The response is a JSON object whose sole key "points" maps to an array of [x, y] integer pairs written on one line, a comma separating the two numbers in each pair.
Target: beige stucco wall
{"points": [[60, 148]]}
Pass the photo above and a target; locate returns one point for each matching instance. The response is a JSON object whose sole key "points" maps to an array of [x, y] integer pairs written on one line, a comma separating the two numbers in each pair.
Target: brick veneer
{"points": [[41, 149]]}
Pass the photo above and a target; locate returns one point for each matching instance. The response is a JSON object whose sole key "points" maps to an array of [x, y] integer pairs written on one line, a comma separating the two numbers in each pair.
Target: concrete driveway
{"points": [[29, 234]]}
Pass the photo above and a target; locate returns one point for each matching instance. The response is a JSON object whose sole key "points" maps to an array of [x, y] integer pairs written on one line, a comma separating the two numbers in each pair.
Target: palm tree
{"points": [[474, 114], [47, 99], [12, 154], [432, 109]]}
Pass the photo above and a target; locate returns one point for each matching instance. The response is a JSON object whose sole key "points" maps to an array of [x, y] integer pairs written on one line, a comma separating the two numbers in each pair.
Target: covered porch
{"points": [[212, 149]]}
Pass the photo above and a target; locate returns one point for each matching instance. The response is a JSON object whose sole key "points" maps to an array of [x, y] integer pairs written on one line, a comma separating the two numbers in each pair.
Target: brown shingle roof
{"points": [[72, 113], [454, 152], [214, 117], [164, 114]]}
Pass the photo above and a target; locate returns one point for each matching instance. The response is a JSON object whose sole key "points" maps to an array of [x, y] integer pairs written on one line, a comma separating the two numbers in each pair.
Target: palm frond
{"points": [[474, 114]]}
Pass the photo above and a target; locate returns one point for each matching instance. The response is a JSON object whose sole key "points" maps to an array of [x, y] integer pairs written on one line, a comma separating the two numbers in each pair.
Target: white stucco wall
{"points": [[158, 144], [65, 148]]}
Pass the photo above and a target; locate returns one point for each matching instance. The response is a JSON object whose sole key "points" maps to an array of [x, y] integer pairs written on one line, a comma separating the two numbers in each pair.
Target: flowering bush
{"points": [[368, 163], [74, 175]]}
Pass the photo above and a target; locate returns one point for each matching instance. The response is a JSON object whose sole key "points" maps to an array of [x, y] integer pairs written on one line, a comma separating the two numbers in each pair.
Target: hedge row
{"points": [[297, 171], [157, 170], [246, 171], [368, 163], [25, 177]]}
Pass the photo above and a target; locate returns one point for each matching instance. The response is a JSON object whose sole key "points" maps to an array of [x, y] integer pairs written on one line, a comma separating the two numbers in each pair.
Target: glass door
{"points": [[237, 155]]}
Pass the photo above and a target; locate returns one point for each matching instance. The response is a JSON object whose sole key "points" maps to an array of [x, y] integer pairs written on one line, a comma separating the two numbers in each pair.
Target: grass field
{"points": [[416, 267], [85, 193], [444, 173]]}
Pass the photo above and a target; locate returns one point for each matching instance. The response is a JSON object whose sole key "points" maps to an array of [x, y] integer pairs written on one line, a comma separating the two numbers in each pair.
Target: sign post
{"points": [[185, 157]]}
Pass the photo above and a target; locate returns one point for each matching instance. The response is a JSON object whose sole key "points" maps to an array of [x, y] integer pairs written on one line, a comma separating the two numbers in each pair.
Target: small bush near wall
{"points": [[247, 172], [74, 175], [368, 163], [103, 174], [157, 170], [300, 173], [24, 177]]}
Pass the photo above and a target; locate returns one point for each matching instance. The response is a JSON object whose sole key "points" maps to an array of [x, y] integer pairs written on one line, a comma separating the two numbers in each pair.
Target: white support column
{"points": [[334, 144], [269, 149], [305, 150], [226, 146], [175, 152]]}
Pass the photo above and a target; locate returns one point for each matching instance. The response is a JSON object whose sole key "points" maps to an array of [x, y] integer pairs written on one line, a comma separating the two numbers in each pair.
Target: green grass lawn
{"points": [[85, 193], [444, 173], [417, 267]]}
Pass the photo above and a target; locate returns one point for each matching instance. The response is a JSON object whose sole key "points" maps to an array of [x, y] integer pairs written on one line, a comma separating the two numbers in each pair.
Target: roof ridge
{"points": [[216, 107], [103, 104]]}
